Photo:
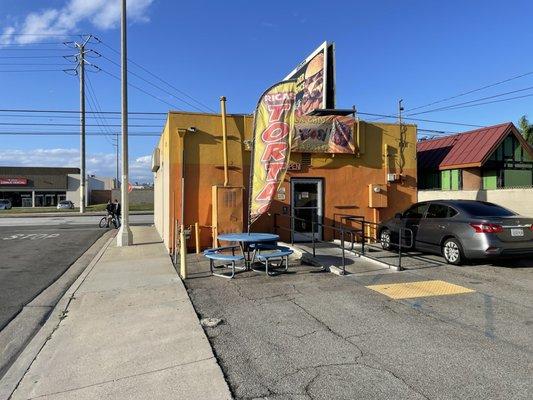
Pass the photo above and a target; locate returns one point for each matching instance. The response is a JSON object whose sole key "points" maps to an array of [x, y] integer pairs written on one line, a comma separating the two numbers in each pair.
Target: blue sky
{"points": [[421, 51]]}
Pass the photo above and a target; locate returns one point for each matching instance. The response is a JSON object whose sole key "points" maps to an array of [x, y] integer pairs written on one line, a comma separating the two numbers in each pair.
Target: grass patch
{"points": [[94, 208]]}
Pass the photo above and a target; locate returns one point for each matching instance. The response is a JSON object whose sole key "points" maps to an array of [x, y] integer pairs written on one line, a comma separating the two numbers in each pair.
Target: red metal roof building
{"points": [[485, 158]]}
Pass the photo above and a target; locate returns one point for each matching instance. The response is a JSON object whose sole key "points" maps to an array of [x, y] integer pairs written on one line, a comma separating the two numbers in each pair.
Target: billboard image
{"points": [[324, 134], [315, 81]]}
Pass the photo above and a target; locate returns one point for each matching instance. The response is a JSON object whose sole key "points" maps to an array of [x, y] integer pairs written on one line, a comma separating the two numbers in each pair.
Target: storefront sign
{"points": [[273, 127], [315, 81], [326, 134], [13, 181]]}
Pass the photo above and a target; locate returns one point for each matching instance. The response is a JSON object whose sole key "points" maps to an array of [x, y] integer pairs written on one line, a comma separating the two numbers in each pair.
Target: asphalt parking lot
{"points": [[33, 257], [314, 335]]}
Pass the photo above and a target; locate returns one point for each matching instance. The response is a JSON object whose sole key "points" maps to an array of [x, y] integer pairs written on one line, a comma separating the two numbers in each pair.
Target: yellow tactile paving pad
{"points": [[409, 290]]}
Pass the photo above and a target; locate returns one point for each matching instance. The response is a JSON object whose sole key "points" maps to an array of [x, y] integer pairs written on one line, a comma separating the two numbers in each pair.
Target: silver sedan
{"points": [[460, 230]]}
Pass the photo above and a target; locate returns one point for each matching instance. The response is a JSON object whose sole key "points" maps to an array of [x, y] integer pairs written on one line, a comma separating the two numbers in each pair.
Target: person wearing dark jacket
{"points": [[117, 210], [110, 208]]}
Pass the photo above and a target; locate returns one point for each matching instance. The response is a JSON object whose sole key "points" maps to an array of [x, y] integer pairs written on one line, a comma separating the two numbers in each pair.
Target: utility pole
{"points": [[124, 237], [402, 139], [117, 185], [80, 70], [82, 127]]}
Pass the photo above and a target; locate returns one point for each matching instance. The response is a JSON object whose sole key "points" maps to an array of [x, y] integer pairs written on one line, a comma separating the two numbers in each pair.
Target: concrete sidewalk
{"points": [[127, 330]]}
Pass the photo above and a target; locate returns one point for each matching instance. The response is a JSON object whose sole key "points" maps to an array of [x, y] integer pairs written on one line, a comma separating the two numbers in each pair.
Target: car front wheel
{"points": [[385, 239], [452, 252]]}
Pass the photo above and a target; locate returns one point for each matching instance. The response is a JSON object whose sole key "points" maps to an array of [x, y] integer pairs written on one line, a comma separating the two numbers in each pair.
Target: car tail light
{"points": [[487, 228], [531, 228]]}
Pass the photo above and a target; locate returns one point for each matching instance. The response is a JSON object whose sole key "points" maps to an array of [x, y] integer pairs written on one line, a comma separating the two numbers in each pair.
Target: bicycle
{"points": [[113, 221]]}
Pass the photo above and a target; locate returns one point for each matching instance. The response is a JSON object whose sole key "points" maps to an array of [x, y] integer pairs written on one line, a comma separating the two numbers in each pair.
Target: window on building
{"points": [[508, 166], [451, 179], [490, 179], [429, 180]]}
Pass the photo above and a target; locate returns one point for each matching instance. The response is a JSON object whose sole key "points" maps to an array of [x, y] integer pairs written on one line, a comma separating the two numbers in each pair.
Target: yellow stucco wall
{"points": [[346, 176]]}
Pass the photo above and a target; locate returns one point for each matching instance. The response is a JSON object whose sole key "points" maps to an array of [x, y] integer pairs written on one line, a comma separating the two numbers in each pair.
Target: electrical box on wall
{"points": [[227, 213], [377, 196], [393, 177]]}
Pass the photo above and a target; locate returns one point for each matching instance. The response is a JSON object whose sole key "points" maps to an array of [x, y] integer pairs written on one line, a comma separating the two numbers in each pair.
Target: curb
{"points": [[58, 304]]}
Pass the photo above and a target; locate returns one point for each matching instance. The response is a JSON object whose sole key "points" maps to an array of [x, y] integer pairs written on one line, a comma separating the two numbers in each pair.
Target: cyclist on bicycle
{"points": [[110, 208]]}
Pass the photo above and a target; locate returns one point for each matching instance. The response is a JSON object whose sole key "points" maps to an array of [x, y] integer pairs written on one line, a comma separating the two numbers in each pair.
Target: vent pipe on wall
{"points": [[224, 138]]}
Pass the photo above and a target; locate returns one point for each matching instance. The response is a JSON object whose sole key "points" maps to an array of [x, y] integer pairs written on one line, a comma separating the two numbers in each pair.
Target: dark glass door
{"points": [[306, 203]]}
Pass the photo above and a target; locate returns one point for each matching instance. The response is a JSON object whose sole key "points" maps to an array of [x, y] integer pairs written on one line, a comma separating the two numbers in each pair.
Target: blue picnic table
{"points": [[247, 239]]}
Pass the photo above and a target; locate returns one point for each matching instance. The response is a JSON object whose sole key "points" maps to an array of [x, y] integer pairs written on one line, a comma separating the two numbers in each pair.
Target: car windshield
{"points": [[483, 209], [4, 201], [64, 202]]}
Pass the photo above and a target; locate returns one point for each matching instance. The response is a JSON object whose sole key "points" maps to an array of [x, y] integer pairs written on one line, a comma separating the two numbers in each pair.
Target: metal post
{"points": [[116, 144], [363, 237], [175, 242], [343, 255], [224, 138], [183, 253], [313, 234], [292, 229], [197, 237], [400, 249], [124, 237], [81, 64]]}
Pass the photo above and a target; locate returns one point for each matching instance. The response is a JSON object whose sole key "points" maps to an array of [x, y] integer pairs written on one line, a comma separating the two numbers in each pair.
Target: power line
{"points": [[76, 117], [102, 129], [147, 134], [45, 34], [57, 124], [489, 102], [31, 70], [159, 78], [99, 117], [472, 101], [32, 64], [31, 49], [420, 119], [77, 112], [471, 91], [26, 44], [28, 57], [435, 131], [154, 85], [141, 90]]}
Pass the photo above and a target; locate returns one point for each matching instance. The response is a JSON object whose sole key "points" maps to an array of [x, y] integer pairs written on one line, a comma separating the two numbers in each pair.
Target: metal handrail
{"points": [[363, 222]]}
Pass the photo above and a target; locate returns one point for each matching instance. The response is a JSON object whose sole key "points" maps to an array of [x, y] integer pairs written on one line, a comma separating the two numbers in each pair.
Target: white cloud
{"points": [[100, 164], [103, 14]]}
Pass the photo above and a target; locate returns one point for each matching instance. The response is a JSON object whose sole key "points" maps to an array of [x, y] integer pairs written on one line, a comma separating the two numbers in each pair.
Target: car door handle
{"points": [[442, 226]]}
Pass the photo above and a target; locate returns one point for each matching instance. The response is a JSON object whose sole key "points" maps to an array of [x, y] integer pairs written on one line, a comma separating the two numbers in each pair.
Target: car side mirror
{"points": [[398, 215]]}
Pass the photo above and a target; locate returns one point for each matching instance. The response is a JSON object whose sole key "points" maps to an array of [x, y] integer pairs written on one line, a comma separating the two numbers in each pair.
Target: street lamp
{"points": [[124, 237]]}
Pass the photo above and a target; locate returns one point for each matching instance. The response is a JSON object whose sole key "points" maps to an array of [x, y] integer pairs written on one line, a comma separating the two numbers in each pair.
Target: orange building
{"points": [[375, 182]]}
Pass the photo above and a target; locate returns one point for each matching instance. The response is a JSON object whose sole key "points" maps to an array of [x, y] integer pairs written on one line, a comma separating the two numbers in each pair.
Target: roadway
{"points": [[34, 252]]}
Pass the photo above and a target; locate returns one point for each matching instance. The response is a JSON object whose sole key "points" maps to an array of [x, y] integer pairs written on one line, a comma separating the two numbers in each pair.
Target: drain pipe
{"points": [[224, 138], [183, 244]]}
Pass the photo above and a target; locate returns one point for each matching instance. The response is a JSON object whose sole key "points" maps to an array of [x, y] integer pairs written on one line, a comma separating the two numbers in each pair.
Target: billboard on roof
{"points": [[315, 80]]}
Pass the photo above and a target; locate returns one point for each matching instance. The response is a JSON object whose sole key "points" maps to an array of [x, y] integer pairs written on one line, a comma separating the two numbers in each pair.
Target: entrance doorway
{"points": [[306, 206]]}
